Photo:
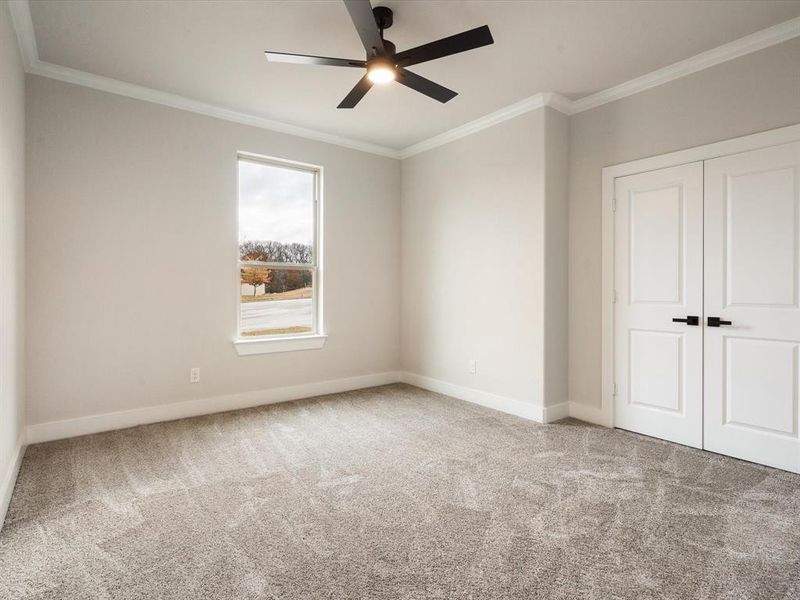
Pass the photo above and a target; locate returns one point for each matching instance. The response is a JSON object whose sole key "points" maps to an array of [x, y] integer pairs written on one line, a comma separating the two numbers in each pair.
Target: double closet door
{"points": [[707, 306]]}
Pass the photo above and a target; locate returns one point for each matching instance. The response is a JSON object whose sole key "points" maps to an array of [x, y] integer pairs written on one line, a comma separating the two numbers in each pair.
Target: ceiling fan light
{"points": [[381, 72]]}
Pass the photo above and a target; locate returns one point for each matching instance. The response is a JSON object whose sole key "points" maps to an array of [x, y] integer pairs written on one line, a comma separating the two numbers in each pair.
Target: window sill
{"points": [[245, 347]]}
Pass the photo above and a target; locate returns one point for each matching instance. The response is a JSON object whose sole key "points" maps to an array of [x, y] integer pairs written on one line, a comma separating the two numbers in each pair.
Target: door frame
{"points": [[772, 137]]}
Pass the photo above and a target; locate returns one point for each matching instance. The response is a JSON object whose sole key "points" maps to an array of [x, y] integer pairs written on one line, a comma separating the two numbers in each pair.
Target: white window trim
{"points": [[263, 345], [246, 346]]}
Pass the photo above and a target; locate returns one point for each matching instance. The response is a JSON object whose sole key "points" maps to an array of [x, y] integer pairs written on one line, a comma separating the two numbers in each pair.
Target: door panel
{"points": [[658, 277], [763, 369], [760, 260], [656, 240], [752, 254], [656, 370]]}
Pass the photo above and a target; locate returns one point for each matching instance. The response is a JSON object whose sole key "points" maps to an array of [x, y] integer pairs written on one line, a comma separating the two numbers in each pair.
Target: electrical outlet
{"points": [[473, 366], [194, 375]]}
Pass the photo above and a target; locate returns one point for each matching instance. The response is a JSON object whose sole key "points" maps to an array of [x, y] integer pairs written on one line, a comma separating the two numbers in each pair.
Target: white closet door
{"points": [[659, 278], [752, 364]]}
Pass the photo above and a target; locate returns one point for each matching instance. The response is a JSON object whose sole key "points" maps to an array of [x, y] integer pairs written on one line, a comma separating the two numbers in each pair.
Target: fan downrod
{"points": [[384, 17]]}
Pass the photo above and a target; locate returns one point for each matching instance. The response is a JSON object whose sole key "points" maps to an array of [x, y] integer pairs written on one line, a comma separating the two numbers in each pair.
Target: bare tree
{"points": [[270, 251]]}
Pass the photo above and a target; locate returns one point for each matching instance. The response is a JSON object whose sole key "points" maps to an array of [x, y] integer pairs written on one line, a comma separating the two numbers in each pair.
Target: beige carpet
{"points": [[394, 492]]}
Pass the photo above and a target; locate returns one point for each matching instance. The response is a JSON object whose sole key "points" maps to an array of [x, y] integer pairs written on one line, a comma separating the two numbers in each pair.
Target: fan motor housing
{"points": [[391, 49]]}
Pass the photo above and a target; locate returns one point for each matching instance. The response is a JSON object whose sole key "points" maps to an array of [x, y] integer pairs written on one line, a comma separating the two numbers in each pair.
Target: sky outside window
{"points": [[275, 204]]}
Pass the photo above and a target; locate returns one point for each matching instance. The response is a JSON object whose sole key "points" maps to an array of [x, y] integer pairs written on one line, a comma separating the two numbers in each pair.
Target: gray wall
{"points": [[753, 93], [132, 249], [12, 230], [473, 247], [556, 356]]}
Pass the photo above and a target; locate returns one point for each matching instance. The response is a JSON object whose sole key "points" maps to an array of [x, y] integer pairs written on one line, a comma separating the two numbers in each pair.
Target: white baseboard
{"points": [[590, 414], [526, 410], [556, 412], [10, 477], [56, 430]]}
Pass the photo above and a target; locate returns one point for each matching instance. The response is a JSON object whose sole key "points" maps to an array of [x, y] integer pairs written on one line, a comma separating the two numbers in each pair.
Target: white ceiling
{"points": [[212, 51]]}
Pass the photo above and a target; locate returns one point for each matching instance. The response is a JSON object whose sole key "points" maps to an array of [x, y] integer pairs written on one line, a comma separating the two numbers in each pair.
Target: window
{"points": [[279, 256]]}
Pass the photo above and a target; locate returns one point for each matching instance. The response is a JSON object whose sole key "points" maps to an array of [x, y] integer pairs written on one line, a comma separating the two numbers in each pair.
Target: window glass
{"points": [[276, 301], [278, 263], [276, 212]]}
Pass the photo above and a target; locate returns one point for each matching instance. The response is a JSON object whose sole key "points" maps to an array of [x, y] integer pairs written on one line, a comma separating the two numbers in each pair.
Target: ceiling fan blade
{"points": [[364, 21], [313, 60], [460, 42], [356, 94], [425, 86]]}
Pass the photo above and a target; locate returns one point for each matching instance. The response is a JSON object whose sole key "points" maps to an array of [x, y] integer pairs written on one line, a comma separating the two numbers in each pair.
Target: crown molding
{"points": [[754, 42], [504, 114], [114, 86], [560, 103], [26, 38], [759, 40], [23, 26]]}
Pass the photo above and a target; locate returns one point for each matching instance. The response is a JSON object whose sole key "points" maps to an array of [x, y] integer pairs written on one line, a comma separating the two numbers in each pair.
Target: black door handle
{"points": [[689, 320], [716, 322]]}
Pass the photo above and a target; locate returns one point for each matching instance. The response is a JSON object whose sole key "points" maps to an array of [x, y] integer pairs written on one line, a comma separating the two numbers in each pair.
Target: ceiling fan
{"points": [[383, 62]]}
